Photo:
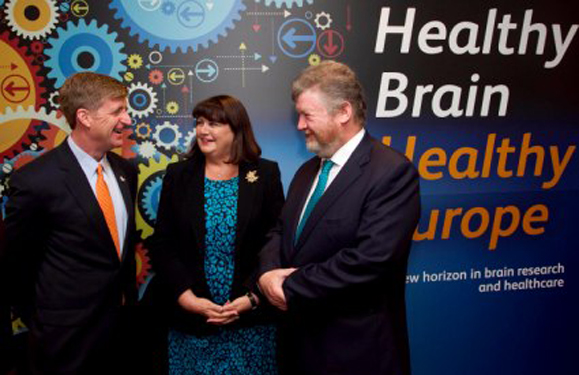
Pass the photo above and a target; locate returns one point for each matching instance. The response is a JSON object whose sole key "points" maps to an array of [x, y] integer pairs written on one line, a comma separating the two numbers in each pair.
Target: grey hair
{"points": [[337, 82]]}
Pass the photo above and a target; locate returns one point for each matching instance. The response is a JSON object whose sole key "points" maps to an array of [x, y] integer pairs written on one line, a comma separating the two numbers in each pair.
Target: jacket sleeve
{"points": [[164, 252], [390, 215], [272, 205], [24, 238]]}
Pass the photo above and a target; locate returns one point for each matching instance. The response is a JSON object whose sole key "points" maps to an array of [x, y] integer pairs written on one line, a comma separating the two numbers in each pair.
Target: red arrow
{"points": [[10, 88], [12, 66], [256, 27], [348, 18], [330, 47]]}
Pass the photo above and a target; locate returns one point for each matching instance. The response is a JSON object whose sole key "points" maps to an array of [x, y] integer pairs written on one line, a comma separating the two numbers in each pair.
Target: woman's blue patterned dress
{"points": [[243, 351]]}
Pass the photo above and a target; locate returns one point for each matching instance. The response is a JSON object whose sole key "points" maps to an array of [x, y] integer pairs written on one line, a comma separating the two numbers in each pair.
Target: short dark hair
{"points": [[229, 110], [337, 82], [87, 90]]}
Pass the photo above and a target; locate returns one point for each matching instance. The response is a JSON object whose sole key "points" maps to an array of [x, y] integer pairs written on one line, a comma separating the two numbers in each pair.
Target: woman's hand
{"points": [[240, 305], [214, 313], [236, 307]]}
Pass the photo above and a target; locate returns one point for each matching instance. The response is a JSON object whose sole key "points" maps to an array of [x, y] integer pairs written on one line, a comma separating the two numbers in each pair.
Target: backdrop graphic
{"points": [[480, 95]]}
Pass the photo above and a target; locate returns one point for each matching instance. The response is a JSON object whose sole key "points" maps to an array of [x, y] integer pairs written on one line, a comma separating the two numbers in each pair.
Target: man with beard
{"points": [[336, 262]]}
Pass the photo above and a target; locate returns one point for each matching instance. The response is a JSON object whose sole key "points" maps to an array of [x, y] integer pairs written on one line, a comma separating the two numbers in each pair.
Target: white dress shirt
{"points": [[89, 167], [339, 159]]}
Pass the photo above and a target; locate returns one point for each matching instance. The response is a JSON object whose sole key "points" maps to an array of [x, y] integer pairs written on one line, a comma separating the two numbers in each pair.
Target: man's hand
{"points": [[270, 284]]}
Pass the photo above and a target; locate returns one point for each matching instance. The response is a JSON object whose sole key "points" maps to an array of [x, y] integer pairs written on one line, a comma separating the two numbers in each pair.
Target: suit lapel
{"points": [[348, 175], [80, 188], [247, 191], [123, 183]]}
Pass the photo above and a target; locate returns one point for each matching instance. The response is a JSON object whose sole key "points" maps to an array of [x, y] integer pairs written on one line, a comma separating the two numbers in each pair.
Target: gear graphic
{"points": [[150, 184], [188, 141], [50, 136], [135, 61], [20, 160], [32, 19], [147, 150], [143, 130], [17, 130], [142, 100], [314, 59], [126, 150], [287, 3], [37, 47], [172, 107], [151, 195], [167, 135], [143, 263], [193, 26], [326, 21], [53, 100], [84, 47], [156, 77], [168, 8], [21, 78]]}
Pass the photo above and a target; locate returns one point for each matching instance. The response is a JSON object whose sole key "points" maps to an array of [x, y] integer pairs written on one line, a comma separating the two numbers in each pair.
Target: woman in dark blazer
{"points": [[215, 210]]}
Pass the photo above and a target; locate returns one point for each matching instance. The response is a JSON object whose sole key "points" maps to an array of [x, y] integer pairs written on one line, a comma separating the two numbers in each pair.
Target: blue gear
{"points": [[194, 25], [151, 196], [287, 3], [83, 38], [168, 8]]}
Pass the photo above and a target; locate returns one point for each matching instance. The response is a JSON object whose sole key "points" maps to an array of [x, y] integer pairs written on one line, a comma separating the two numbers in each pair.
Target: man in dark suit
{"points": [[336, 262], [70, 232], [6, 339]]}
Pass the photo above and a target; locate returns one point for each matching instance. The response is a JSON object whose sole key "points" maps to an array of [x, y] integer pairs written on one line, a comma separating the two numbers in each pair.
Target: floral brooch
{"points": [[251, 177]]}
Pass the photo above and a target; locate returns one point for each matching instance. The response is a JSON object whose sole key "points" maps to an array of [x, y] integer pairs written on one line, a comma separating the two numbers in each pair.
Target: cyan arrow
{"points": [[290, 38], [210, 71]]}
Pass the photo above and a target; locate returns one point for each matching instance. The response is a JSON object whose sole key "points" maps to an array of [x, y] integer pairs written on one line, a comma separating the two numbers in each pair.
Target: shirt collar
{"points": [[87, 162], [341, 156]]}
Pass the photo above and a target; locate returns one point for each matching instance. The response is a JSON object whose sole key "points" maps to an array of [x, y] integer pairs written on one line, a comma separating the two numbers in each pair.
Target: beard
{"points": [[323, 145]]}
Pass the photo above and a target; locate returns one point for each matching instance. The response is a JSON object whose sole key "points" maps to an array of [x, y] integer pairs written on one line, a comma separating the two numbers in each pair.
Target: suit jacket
{"points": [[6, 340], [346, 304], [69, 281], [178, 245]]}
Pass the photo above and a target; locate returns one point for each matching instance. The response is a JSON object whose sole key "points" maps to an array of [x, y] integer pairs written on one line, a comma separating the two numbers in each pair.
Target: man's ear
{"points": [[83, 117], [344, 113]]}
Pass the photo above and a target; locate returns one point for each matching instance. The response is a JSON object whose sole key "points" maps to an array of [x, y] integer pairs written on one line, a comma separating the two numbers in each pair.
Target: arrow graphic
{"points": [[11, 88], [164, 87], [12, 66], [263, 68], [210, 71], [256, 26], [285, 14], [256, 56], [273, 57], [329, 46], [176, 76], [79, 7], [185, 90], [348, 18], [190, 75], [187, 14], [290, 38]]}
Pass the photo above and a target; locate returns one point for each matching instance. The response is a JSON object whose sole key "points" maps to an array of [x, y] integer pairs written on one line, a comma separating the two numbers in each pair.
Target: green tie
{"points": [[318, 192]]}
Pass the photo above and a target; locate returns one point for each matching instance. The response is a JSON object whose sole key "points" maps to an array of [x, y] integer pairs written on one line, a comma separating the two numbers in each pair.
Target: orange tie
{"points": [[106, 203]]}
